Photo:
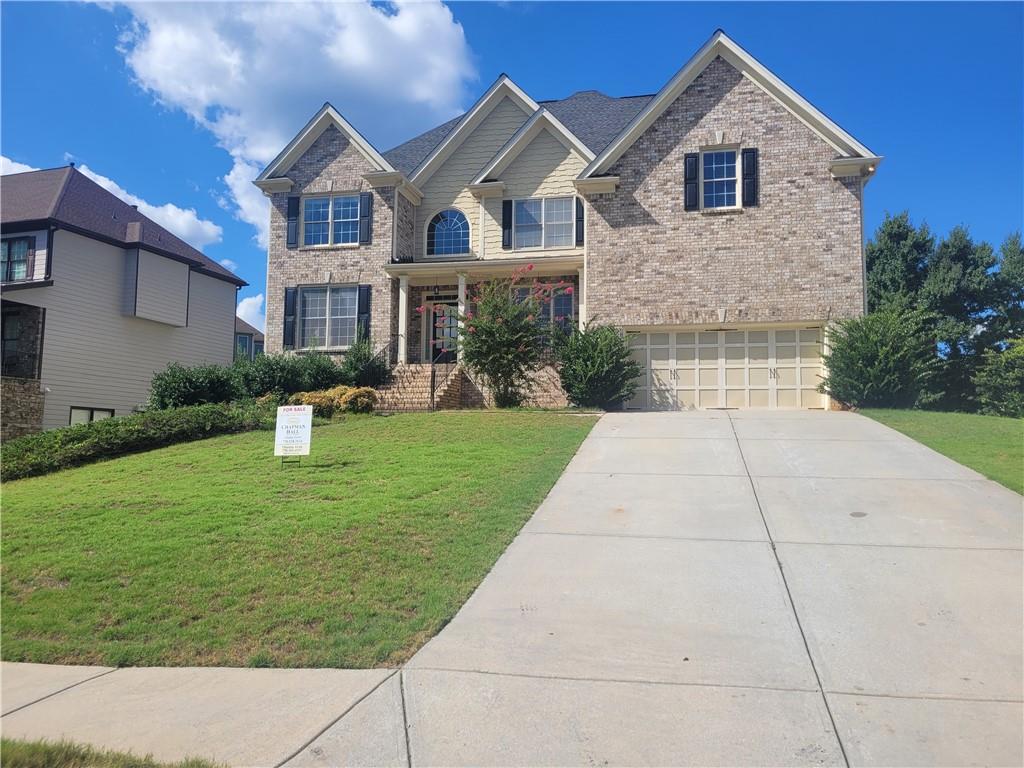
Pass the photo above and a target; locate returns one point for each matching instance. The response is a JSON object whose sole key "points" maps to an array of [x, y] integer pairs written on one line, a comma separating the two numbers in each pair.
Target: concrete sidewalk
{"points": [[742, 588]]}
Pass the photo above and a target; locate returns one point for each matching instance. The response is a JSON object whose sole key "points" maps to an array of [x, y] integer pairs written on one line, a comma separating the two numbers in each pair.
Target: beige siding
{"points": [[544, 168], [95, 356], [161, 289], [447, 188]]}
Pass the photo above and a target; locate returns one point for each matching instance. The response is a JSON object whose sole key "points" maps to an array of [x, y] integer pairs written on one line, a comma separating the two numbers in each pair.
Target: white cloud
{"points": [[250, 309], [8, 166], [229, 264], [254, 73], [184, 222]]}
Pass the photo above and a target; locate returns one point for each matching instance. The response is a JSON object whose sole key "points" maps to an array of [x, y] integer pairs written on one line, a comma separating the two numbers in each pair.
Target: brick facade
{"points": [[332, 163], [797, 256]]}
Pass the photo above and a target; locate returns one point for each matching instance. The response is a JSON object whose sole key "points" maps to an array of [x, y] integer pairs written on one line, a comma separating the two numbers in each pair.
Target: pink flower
{"points": [[529, 318], [529, 267], [469, 315], [569, 291], [471, 329], [420, 309]]}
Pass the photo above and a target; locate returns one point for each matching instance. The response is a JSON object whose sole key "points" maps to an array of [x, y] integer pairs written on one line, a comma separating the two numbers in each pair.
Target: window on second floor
{"points": [[327, 316], [547, 222], [718, 179], [330, 220], [448, 234], [15, 259]]}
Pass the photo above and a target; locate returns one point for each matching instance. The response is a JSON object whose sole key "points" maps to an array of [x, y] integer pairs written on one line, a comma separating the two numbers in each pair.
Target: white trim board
{"points": [[722, 45]]}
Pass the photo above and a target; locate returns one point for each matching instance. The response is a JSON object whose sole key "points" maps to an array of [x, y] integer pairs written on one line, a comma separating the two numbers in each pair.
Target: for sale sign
{"points": [[294, 429]]}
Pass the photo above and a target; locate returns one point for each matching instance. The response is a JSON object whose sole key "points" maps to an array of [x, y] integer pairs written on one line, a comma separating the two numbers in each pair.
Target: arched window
{"points": [[448, 234]]}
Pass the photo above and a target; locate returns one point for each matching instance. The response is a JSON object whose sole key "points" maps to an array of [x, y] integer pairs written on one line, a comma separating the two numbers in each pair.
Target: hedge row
{"points": [[56, 449]]}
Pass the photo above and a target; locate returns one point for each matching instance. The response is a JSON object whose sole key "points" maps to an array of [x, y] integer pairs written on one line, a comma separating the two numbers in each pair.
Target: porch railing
{"points": [[439, 378]]}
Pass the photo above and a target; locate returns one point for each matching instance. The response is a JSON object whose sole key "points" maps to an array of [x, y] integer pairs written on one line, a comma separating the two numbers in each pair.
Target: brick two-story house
{"points": [[718, 221]]}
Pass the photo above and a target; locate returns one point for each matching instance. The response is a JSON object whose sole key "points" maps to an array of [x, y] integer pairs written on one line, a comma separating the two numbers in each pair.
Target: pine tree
{"points": [[896, 261]]}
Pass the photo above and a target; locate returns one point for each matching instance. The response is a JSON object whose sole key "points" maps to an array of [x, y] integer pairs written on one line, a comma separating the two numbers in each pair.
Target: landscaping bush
{"points": [[325, 402], [287, 374], [67, 447], [595, 367], [884, 359], [999, 381], [502, 341], [178, 386], [359, 400], [362, 368]]}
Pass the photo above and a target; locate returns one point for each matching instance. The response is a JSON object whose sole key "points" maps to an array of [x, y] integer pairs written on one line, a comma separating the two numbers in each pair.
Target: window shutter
{"points": [[365, 218], [293, 222], [291, 296], [30, 258], [363, 313], [579, 221], [506, 224], [691, 198], [750, 177]]}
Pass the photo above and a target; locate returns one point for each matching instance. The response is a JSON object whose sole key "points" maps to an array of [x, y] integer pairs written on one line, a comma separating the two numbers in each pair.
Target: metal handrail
{"points": [[434, 384]]}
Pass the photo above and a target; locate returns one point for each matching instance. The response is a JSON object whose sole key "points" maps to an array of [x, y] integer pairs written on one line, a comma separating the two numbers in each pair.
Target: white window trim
{"points": [[330, 219], [92, 413], [327, 327], [739, 176], [450, 256], [543, 223]]}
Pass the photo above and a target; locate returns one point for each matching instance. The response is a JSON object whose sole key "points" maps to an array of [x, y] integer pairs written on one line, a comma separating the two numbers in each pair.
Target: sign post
{"points": [[294, 430]]}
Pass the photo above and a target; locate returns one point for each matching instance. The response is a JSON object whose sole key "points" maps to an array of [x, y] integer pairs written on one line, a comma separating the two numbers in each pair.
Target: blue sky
{"points": [[180, 105]]}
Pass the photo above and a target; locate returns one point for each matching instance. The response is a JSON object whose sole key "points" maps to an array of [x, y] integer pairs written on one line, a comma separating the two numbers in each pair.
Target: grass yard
{"points": [[209, 553], [991, 445], [16, 753]]}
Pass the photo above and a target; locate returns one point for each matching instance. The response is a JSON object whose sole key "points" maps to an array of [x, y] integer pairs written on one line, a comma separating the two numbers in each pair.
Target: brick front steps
{"points": [[409, 389]]}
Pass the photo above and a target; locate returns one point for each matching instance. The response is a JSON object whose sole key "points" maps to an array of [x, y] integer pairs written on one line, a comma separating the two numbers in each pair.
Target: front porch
{"points": [[432, 296]]}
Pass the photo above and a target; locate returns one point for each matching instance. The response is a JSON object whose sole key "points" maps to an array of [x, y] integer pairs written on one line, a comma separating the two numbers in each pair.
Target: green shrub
{"points": [[177, 386], [501, 341], [325, 402], [287, 374], [1000, 381], [884, 359], [359, 400], [596, 368], [56, 449], [362, 368]]}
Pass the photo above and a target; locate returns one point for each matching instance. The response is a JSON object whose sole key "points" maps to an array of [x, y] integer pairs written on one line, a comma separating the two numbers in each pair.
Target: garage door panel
{"points": [[735, 377], [810, 398], [759, 398], [759, 377], [686, 398], [786, 398], [708, 377], [685, 377], [708, 398], [736, 398]]}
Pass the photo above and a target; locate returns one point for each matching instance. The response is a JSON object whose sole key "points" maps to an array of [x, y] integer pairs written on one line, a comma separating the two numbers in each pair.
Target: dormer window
{"points": [[718, 179], [448, 234]]}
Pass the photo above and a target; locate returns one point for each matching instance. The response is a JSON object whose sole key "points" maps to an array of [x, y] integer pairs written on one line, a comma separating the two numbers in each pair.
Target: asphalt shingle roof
{"points": [[595, 118], [69, 197]]}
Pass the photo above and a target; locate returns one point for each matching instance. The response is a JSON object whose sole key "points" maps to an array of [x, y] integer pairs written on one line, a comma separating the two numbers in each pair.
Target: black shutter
{"points": [[365, 218], [691, 197], [293, 222], [363, 313], [750, 177], [579, 221], [506, 224], [291, 296]]}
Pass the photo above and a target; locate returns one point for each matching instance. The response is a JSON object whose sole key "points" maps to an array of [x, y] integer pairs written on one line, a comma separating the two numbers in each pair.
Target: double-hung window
{"points": [[15, 259], [544, 223], [327, 316], [330, 220], [555, 311], [718, 176]]}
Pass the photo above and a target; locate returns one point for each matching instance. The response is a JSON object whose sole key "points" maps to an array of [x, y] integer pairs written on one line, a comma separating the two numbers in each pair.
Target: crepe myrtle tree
{"points": [[505, 334]]}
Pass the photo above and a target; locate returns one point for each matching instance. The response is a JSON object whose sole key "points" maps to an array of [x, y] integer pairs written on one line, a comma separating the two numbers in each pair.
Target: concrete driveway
{"points": [[732, 588]]}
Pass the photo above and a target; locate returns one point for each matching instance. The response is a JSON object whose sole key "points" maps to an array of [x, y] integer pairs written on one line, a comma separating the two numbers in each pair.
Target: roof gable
{"points": [[722, 45], [503, 87], [325, 117], [542, 120]]}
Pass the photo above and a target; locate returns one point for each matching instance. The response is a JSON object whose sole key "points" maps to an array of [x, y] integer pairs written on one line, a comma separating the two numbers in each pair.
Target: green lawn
{"points": [[991, 445], [209, 553], [16, 753]]}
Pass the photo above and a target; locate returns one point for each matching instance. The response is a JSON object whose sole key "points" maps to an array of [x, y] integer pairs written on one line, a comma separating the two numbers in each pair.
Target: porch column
{"points": [[582, 296], [462, 299], [403, 318]]}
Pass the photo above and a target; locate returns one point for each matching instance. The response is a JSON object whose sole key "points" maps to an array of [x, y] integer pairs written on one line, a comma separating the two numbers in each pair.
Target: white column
{"points": [[582, 297], [403, 318], [462, 299]]}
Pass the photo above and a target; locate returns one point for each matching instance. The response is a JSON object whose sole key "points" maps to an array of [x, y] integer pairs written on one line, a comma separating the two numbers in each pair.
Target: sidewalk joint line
{"points": [[645, 536], [405, 719], [789, 595], [896, 546], [336, 720], [925, 697], [65, 688]]}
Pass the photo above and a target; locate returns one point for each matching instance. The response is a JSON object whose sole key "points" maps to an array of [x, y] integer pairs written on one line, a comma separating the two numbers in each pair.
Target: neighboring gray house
{"points": [[718, 222], [248, 340], [96, 298]]}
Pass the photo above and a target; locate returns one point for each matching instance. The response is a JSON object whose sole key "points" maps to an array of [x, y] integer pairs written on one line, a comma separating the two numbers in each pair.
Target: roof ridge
{"points": [[59, 198]]}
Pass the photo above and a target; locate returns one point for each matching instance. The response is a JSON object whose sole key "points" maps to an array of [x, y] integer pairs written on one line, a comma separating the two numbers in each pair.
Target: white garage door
{"points": [[770, 368]]}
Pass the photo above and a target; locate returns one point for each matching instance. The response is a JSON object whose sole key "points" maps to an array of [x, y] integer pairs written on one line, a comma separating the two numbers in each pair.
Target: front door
{"points": [[444, 332]]}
